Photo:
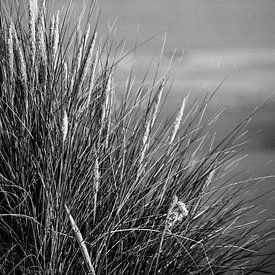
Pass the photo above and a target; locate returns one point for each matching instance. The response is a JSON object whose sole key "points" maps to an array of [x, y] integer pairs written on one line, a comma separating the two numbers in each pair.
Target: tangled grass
{"points": [[93, 185]]}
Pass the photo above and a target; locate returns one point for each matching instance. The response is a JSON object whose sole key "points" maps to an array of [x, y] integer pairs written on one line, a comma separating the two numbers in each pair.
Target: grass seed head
{"points": [[33, 14], [65, 126], [81, 242], [21, 63], [43, 8], [88, 58], [10, 49], [177, 212], [65, 75], [157, 101], [177, 122], [55, 38], [119, 183], [86, 36], [210, 178], [96, 183], [41, 41]]}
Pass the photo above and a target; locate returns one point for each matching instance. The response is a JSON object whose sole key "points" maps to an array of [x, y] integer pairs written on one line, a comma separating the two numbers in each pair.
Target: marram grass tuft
{"points": [[93, 184]]}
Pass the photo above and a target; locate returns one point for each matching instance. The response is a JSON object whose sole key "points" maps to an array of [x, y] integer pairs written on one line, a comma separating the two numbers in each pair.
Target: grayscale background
{"points": [[219, 38]]}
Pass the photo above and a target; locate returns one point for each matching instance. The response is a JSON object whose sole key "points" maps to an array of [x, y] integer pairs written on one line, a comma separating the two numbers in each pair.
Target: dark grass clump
{"points": [[90, 184]]}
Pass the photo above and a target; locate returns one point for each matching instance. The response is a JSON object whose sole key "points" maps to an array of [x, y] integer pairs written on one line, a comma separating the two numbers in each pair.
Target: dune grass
{"points": [[93, 184]]}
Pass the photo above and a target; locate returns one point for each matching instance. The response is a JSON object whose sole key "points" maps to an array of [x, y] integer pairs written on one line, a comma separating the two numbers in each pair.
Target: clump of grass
{"points": [[87, 186]]}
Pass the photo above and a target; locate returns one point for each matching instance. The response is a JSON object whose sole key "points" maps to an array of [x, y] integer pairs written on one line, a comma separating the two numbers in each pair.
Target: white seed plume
{"points": [[22, 63], [210, 178], [177, 212], [86, 36], [88, 59], [65, 125], [65, 75], [78, 32], [55, 38], [10, 49], [33, 13], [96, 184], [81, 243], [78, 55], [177, 122], [157, 101], [43, 8], [56, 33], [51, 30], [109, 89], [146, 133], [41, 41]]}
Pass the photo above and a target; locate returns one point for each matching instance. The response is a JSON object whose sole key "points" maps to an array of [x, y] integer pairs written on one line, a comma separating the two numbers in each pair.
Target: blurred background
{"points": [[219, 38]]}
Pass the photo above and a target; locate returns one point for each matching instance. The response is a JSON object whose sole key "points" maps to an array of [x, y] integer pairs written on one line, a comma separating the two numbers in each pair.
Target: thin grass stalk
{"points": [[49, 217], [81, 243], [92, 78], [174, 201], [144, 147], [208, 181], [107, 96], [123, 150], [109, 118], [76, 66], [105, 106], [108, 107], [148, 126]]}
